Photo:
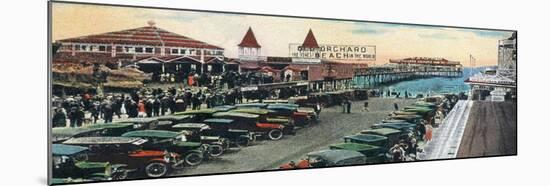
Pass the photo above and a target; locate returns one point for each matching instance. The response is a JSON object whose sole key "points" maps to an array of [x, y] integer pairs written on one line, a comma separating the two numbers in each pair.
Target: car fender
{"points": [[270, 126]]}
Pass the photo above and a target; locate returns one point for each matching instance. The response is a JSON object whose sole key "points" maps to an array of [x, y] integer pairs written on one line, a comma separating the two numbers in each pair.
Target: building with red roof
{"points": [[249, 49], [132, 44], [310, 41]]}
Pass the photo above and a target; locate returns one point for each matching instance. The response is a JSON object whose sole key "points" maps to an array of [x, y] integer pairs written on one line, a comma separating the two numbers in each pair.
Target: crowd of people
{"points": [[147, 102]]}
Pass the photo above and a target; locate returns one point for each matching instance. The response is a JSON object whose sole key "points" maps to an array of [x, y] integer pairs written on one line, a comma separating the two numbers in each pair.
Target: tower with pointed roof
{"points": [[310, 41], [249, 49]]}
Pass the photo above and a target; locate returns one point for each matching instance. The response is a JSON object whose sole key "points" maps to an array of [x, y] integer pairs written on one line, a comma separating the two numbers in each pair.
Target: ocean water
{"points": [[435, 85]]}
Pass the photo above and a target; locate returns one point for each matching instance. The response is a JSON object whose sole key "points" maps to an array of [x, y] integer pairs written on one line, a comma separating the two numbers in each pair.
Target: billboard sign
{"points": [[334, 52]]}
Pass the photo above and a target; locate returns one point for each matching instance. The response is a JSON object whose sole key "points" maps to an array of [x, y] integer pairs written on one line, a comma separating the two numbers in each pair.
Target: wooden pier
{"points": [[405, 70]]}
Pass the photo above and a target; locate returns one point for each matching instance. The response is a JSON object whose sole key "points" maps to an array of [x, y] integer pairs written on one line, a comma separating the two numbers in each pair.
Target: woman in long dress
{"points": [[429, 131]]}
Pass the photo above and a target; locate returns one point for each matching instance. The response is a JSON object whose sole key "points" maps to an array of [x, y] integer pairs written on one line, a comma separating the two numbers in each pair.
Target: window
{"points": [[102, 48], [77, 47], [83, 47], [149, 50], [139, 49], [183, 51], [129, 49], [175, 51]]}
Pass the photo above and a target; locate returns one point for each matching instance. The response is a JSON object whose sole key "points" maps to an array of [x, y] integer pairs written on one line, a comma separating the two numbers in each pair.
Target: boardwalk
{"points": [[447, 137], [491, 130]]}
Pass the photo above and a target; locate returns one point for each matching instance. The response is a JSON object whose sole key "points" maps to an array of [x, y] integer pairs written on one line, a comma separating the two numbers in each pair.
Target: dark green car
{"points": [[113, 129], [193, 153], [198, 115], [61, 134], [402, 126], [223, 128], [416, 119], [166, 122], [374, 154], [141, 123], [329, 158], [369, 139], [393, 135], [71, 163]]}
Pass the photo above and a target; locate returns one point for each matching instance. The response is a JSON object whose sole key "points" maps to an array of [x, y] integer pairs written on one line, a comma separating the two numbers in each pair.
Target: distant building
{"points": [[499, 85], [152, 49], [132, 44], [507, 57], [320, 74]]}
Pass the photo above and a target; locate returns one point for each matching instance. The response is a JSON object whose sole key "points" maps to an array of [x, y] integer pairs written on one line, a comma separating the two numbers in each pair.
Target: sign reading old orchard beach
{"points": [[337, 52]]}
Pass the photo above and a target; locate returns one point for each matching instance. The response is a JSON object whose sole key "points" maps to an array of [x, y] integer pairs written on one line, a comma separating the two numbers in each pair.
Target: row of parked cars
{"points": [[374, 145], [153, 147]]}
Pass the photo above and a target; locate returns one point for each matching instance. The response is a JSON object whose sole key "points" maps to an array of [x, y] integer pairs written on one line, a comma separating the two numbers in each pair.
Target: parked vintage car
{"points": [[224, 108], [71, 163], [197, 132], [393, 135], [284, 110], [425, 104], [310, 111], [369, 139], [251, 122], [193, 153], [404, 113], [199, 115], [61, 134], [128, 151], [404, 126], [268, 116], [141, 123], [251, 105], [224, 129], [313, 117], [166, 122], [329, 158], [416, 119], [373, 154], [114, 129]]}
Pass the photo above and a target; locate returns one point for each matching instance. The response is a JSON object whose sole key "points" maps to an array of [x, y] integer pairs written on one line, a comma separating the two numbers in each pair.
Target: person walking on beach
{"points": [[395, 106], [366, 106], [344, 106], [348, 105]]}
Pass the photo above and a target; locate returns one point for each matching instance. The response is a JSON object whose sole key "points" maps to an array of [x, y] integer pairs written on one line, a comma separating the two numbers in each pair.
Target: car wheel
{"points": [[193, 158], [120, 175], [156, 169], [275, 134], [215, 150]]}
